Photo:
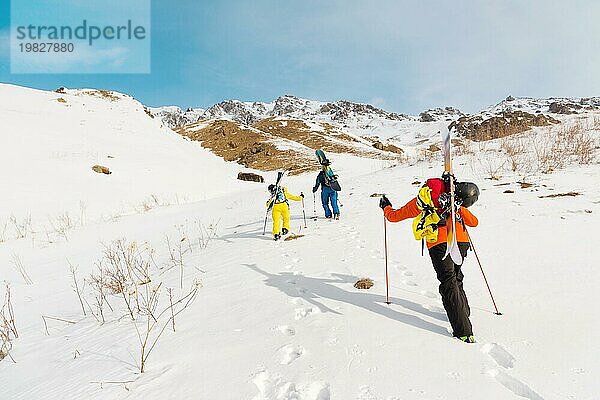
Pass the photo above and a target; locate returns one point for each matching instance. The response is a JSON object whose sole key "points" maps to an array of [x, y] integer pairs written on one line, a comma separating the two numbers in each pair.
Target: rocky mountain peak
{"points": [[440, 114]]}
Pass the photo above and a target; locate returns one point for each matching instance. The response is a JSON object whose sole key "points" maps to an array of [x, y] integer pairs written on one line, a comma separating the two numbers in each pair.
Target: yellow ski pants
{"points": [[281, 210]]}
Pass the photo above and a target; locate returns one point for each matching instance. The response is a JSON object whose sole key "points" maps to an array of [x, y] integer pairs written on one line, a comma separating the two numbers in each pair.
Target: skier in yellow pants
{"points": [[281, 209]]}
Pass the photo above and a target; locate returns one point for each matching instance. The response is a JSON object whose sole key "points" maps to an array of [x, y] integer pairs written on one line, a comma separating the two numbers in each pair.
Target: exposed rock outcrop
{"points": [[250, 177], [479, 128]]}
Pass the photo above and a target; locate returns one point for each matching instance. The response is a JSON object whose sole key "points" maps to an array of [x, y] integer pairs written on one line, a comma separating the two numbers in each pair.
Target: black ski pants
{"points": [[451, 288]]}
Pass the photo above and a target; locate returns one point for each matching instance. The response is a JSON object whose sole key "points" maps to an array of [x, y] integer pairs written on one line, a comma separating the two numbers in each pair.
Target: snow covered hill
{"points": [[282, 320], [50, 141]]}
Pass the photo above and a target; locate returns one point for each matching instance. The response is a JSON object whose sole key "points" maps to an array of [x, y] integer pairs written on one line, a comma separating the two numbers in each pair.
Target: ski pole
{"points": [[265, 227], [387, 287], [481, 268], [266, 217], [303, 212], [314, 206]]}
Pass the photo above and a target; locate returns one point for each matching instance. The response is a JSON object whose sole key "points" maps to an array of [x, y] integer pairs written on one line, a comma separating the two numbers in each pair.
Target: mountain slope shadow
{"points": [[315, 288]]}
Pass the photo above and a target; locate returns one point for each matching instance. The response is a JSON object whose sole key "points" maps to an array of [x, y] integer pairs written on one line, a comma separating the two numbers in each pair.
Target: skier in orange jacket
{"points": [[448, 273]]}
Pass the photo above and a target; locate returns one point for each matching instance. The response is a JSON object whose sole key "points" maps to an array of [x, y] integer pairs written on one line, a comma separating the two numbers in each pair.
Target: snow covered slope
{"points": [[282, 320], [50, 141]]}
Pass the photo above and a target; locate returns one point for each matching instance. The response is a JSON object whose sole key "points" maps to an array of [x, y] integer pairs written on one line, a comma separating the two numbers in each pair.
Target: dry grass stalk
{"points": [[8, 327], [18, 264], [78, 291]]}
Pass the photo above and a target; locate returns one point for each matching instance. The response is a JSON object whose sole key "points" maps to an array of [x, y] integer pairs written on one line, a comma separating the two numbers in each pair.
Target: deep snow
{"points": [[282, 320]]}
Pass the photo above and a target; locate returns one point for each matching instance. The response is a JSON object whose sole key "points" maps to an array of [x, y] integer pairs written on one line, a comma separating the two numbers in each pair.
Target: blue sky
{"points": [[404, 56]]}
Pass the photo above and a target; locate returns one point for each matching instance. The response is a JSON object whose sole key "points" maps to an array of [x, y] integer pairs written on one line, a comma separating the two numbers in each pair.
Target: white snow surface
{"points": [[49, 147], [282, 320]]}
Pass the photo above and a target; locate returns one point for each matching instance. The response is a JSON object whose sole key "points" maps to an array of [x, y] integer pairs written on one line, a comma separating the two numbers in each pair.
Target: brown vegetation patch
{"points": [[256, 146], [525, 185], [507, 123], [333, 131], [103, 94], [300, 132], [249, 147], [433, 148], [61, 100], [568, 194], [388, 147], [293, 237]]}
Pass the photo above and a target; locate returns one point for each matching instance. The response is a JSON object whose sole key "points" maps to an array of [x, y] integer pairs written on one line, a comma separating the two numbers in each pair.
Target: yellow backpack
{"points": [[425, 224]]}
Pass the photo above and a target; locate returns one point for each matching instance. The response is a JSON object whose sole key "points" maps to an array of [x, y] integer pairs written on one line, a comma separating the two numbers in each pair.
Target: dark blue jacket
{"points": [[321, 181]]}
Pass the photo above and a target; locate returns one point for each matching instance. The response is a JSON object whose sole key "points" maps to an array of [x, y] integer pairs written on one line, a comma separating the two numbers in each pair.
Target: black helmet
{"points": [[271, 188], [468, 192]]}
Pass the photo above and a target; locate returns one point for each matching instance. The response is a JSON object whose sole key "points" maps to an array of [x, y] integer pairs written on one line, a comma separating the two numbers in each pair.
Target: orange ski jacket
{"points": [[410, 210]]}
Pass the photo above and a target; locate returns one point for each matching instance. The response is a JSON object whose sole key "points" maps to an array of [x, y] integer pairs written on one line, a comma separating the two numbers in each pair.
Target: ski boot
{"points": [[276, 237], [336, 216], [284, 231], [467, 339]]}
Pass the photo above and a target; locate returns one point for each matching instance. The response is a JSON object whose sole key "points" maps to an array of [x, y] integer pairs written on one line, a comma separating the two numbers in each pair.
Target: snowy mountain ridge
{"points": [[340, 112], [352, 115], [551, 105]]}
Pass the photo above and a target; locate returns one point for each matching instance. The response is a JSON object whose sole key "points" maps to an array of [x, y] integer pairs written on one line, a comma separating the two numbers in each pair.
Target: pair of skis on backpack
{"points": [[330, 177]]}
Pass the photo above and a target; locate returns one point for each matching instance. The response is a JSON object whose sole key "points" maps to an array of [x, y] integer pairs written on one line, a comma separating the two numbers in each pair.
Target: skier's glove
{"points": [[301, 194], [384, 202], [315, 189]]}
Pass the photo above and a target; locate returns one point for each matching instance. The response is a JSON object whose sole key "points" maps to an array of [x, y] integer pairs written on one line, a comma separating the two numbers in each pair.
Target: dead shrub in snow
{"points": [[177, 249], [3, 227], [596, 122], [22, 227], [99, 283], [124, 272], [515, 150], [150, 203], [205, 233], [8, 328], [123, 268], [184, 244], [492, 165], [465, 148], [154, 316], [428, 155], [61, 224], [555, 149]]}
